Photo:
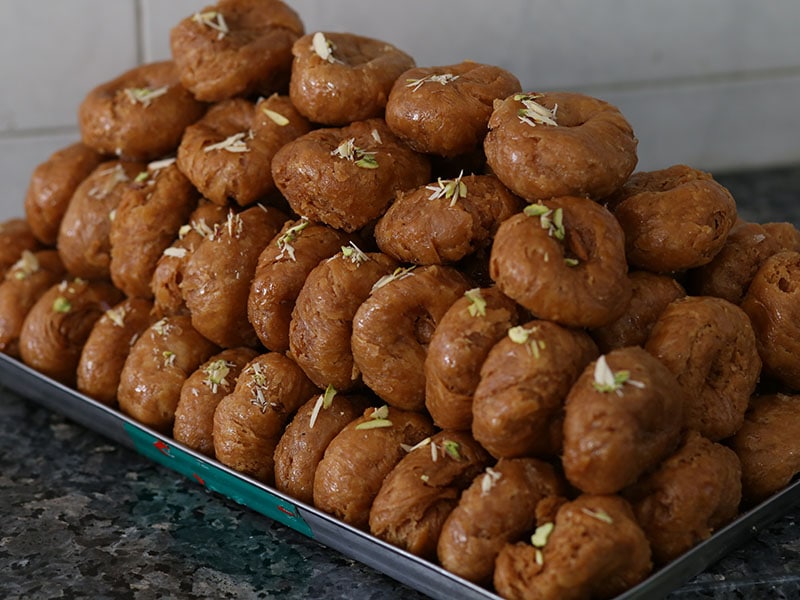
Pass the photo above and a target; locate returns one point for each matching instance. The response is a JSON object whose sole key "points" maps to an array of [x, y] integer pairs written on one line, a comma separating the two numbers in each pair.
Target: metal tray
{"points": [[411, 570]]}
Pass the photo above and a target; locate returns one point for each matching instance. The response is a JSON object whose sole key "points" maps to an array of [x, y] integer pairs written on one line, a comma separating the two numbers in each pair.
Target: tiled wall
{"points": [[711, 83]]}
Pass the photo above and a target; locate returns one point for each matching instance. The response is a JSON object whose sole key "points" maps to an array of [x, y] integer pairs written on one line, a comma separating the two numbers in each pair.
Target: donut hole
{"points": [[785, 285], [579, 244], [424, 326]]}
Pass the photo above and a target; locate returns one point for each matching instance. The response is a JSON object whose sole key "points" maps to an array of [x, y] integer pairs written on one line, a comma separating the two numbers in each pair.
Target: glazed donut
{"points": [[767, 446], [576, 144], [139, 115], [146, 222], [16, 236], [393, 327], [612, 555], [693, 493], [419, 494], [322, 317], [206, 220], [249, 422], [564, 248], [108, 345], [445, 110], [500, 506], [623, 416], [674, 219], [517, 409], [217, 276], [281, 271], [51, 187], [772, 303], [57, 326], [24, 283], [158, 363], [709, 345], [359, 458], [442, 222], [84, 241], [338, 78], [346, 177], [236, 48], [306, 437], [227, 154], [460, 343], [200, 394], [651, 293]]}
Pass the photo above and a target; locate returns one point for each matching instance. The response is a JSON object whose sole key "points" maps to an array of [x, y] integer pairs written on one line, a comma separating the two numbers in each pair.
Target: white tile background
{"points": [[710, 83]]}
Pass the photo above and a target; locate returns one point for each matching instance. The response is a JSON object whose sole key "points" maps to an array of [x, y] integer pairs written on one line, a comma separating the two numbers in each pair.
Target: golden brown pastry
{"points": [[444, 221], [613, 554], [107, 347], [709, 345], [346, 177], [306, 438], [581, 146], [24, 283], [227, 154], [623, 416], [217, 276], [445, 110], [322, 317], [249, 422], [460, 343], [202, 392], [359, 458], [57, 326], [15, 236], [693, 493], [338, 78], [84, 236], [281, 271], [159, 362], [236, 48], [567, 247], [518, 407], [51, 187], [394, 325], [674, 219], [500, 506], [772, 303], [139, 115], [146, 222]]}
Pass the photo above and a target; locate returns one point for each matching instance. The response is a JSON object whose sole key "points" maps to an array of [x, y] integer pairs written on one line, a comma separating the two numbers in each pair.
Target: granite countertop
{"points": [[85, 518]]}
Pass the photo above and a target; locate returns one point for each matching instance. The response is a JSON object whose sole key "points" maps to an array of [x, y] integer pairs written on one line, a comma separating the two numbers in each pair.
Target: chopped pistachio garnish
{"points": [[374, 424], [26, 266], [443, 79], [203, 229], [324, 401], [214, 20], [535, 210], [233, 143], [157, 165], [451, 189], [258, 383], [234, 224], [434, 452], [380, 413], [605, 380], [521, 335], [452, 449], [534, 113], [176, 252], [111, 177], [354, 254], [600, 515], [425, 478], [398, 274], [161, 327], [571, 262], [145, 96], [217, 373], [183, 231], [169, 358], [552, 220], [539, 537], [62, 305], [416, 446], [276, 117], [489, 479], [539, 557], [477, 303], [349, 151], [141, 177], [284, 242], [376, 136], [117, 315], [323, 47]]}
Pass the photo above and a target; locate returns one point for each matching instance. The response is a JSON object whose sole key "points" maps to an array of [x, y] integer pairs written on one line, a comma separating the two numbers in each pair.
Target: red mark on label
{"points": [[161, 447], [198, 478], [286, 511]]}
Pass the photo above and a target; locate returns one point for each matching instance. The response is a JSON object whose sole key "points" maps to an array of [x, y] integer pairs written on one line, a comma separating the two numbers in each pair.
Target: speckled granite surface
{"points": [[83, 518]]}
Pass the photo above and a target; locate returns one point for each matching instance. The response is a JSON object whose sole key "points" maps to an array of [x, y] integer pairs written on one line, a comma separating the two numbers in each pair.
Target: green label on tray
{"points": [[218, 480]]}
